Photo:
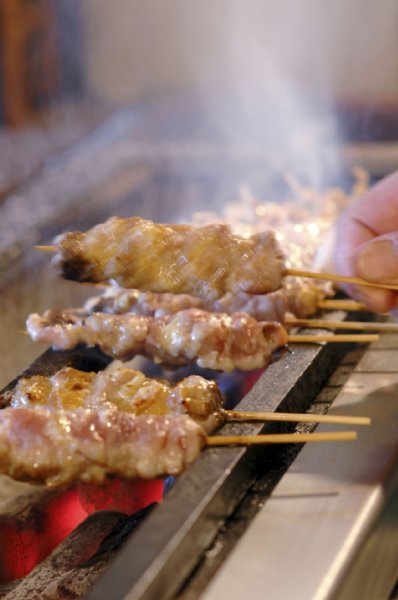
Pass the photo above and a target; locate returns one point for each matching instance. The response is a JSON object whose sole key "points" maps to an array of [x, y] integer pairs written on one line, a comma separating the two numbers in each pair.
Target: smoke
{"points": [[265, 72], [258, 71]]}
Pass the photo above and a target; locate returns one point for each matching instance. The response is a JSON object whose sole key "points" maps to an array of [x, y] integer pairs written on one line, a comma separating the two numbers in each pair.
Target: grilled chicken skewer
{"points": [[211, 340], [86, 426], [131, 391], [206, 261], [83, 426], [124, 389], [297, 297], [214, 341], [60, 447]]}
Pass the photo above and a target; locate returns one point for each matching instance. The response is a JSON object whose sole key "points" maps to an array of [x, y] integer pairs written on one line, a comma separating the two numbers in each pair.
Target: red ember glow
{"points": [[26, 542], [250, 379]]}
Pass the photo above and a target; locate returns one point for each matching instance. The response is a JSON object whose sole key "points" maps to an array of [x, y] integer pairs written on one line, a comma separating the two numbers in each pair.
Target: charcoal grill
{"points": [[175, 549]]}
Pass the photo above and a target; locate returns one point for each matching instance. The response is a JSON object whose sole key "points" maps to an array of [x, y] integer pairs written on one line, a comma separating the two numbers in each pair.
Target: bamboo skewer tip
{"points": [[45, 248]]}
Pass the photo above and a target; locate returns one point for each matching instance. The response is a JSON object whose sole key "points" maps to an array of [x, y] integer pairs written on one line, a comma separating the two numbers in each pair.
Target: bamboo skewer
{"points": [[51, 249], [340, 278], [280, 438], [349, 305], [317, 338], [237, 415], [358, 325]]}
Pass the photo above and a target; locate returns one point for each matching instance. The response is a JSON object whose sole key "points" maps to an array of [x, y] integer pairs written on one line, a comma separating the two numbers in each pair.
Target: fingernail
{"points": [[378, 260]]}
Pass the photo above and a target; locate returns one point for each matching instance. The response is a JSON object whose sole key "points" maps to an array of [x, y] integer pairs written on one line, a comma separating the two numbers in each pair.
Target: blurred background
{"points": [[288, 75], [161, 109]]}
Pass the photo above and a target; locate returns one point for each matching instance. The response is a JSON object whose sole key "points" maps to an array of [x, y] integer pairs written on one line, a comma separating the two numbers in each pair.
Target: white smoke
{"points": [[258, 78], [266, 72]]}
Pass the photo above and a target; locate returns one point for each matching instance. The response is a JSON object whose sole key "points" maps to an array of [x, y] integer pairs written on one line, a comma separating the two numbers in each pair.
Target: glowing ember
{"points": [[26, 542]]}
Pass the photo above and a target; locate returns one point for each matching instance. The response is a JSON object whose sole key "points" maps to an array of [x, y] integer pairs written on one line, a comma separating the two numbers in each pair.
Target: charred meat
{"points": [[204, 261], [124, 389]]}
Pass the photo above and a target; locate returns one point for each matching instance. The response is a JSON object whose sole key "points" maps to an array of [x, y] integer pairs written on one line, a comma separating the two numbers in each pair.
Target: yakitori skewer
{"points": [[131, 391], [357, 325], [211, 340], [206, 261], [280, 438], [298, 273], [60, 447], [298, 297]]}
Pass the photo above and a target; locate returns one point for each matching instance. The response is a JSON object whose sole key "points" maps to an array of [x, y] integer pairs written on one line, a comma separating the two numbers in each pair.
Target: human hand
{"points": [[367, 244]]}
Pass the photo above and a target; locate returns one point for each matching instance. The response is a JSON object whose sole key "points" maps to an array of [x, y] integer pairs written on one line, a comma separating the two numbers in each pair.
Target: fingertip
{"points": [[381, 301], [377, 260]]}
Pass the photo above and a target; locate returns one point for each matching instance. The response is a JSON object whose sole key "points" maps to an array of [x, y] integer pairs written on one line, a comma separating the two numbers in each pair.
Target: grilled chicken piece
{"points": [[125, 389], [302, 297], [116, 300], [297, 296], [211, 340], [59, 447], [120, 336], [214, 340], [206, 261]]}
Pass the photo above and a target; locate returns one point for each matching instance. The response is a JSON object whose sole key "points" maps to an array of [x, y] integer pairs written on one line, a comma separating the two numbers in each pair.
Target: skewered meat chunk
{"points": [[206, 261], [212, 340], [270, 307], [59, 447], [302, 297], [125, 389], [118, 301], [120, 336], [298, 297]]}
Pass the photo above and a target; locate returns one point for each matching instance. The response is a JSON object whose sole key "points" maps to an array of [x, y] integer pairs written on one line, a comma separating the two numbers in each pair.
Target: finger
{"points": [[381, 301], [351, 236], [378, 208], [374, 215], [377, 259]]}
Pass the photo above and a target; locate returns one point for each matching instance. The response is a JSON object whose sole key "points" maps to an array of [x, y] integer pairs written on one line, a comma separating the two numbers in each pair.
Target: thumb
{"points": [[377, 259]]}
